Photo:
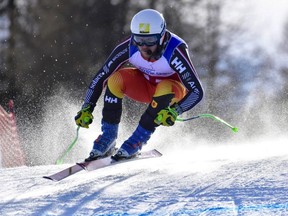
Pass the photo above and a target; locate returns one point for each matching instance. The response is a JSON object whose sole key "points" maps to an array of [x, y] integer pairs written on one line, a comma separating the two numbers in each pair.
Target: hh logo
{"points": [[110, 99], [178, 65], [144, 27]]}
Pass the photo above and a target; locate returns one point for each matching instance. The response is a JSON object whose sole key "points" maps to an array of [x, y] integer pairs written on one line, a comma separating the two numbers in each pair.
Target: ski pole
{"points": [[234, 129], [60, 160]]}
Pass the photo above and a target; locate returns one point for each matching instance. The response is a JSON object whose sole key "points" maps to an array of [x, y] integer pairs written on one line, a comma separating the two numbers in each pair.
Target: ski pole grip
{"points": [[87, 119]]}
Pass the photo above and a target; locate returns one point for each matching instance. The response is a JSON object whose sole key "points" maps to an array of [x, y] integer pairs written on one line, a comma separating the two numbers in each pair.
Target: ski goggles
{"points": [[150, 40]]}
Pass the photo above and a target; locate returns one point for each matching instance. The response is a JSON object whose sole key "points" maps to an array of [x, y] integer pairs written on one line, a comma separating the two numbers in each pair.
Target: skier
{"points": [[163, 76]]}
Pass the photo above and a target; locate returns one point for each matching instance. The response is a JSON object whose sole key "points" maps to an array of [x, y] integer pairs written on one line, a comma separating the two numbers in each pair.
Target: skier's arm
{"points": [[117, 58], [182, 64]]}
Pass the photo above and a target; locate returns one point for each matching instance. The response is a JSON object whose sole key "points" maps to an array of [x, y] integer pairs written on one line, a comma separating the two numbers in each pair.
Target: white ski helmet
{"points": [[148, 22]]}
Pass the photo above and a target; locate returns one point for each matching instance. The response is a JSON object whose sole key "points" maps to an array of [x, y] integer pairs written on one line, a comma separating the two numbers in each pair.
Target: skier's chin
{"points": [[147, 53]]}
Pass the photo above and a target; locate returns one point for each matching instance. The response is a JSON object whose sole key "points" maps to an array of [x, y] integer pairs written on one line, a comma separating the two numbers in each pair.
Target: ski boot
{"points": [[104, 145], [131, 147]]}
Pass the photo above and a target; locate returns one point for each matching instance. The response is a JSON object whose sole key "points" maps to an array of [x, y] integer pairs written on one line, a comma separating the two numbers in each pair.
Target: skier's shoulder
{"points": [[173, 42], [123, 43], [121, 50], [174, 39]]}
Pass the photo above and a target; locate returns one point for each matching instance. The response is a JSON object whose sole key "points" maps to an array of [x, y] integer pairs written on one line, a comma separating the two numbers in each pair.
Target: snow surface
{"points": [[246, 179]]}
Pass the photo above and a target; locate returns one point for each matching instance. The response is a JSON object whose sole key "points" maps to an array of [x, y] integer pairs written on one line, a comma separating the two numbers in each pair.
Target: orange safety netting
{"points": [[11, 153]]}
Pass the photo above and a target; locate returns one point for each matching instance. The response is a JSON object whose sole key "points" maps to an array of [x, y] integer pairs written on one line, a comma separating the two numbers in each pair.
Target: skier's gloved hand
{"points": [[166, 117], [84, 117]]}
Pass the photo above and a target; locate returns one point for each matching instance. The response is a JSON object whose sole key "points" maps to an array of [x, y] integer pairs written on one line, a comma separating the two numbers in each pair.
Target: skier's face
{"points": [[147, 45], [147, 51]]}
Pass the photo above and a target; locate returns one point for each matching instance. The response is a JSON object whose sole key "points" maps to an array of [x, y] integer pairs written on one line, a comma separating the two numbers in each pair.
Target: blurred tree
{"points": [[8, 87], [58, 42], [284, 69]]}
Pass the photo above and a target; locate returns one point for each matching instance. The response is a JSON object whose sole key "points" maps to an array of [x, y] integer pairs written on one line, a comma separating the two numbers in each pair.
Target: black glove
{"points": [[166, 117], [84, 117]]}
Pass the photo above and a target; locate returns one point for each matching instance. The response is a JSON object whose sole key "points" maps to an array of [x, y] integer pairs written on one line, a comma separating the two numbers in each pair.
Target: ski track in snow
{"points": [[188, 183]]}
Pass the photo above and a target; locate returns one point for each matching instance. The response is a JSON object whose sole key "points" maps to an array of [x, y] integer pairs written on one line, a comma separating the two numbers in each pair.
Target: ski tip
{"points": [[47, 177], [158, 152]]}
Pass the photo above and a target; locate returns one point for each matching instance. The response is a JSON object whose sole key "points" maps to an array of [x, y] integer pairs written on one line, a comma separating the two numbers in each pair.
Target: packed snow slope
{"points": [[247, 179]]}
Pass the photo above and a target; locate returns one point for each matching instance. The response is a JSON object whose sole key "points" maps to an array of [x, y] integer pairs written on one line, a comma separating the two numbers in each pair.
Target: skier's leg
{"points": [[127, 81], [166, 93], [105, 143]]}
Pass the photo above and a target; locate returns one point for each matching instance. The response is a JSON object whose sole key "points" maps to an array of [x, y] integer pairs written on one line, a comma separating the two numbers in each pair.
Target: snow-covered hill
{"points": [[247, 179]]}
